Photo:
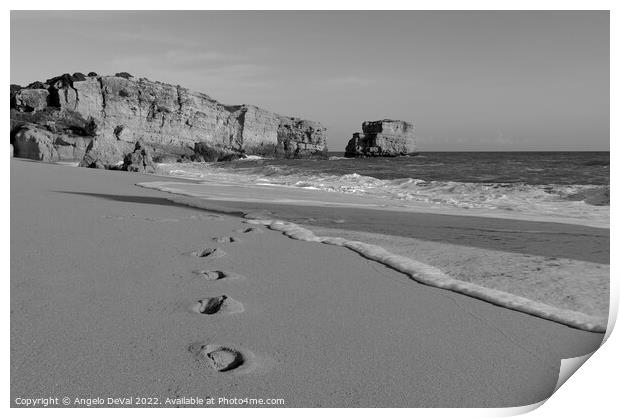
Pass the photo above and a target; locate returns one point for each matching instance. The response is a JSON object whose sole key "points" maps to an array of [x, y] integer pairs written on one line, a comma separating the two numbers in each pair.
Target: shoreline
{"points": [[427, 274], [512, 235]]}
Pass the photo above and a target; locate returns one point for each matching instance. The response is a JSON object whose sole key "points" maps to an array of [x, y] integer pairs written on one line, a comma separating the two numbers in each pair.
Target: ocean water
{"points": [[569, 185]]}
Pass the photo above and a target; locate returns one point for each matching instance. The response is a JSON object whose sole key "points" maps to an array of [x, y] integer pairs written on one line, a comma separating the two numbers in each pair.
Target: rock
{"points": [[37, 85], [382, 138], [113, 112], [598, 196], [106, 152], [203, 152], [139, 161], [166, 159], [31, 100], [14, 89], [92, 74], [298, 138], [35, 143], [124, 75]]}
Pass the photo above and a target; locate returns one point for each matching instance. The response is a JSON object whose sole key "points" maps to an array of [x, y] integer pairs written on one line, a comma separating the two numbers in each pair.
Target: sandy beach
{"points": [[107, 282]]}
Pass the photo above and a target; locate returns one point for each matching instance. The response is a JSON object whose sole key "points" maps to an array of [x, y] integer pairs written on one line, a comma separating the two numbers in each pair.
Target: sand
{"points": [[105, 279]]}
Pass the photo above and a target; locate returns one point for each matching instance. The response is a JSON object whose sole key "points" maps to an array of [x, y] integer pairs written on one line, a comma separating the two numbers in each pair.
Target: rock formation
{"points": [[139, 161], [97, 120], [382, 138]]}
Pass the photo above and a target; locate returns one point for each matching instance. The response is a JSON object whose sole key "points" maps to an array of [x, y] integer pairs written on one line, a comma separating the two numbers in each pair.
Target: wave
{"points": [[573, 201]]}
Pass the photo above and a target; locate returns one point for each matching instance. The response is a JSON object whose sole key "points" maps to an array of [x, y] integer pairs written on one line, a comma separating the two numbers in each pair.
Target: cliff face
{"points": [[53, 120], [382, 138]]}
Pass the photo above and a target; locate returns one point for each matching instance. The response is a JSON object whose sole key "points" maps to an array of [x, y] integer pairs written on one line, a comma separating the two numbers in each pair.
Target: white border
{"points": [[591, 391]]}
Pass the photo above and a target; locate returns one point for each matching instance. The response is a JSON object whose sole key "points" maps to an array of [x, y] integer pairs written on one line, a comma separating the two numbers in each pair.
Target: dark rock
{"points": [[14, 89], [37, 85], [166, 158], [139, 161], [382, 138], [57, 121], [205, 152], [599, 196], [79, 77], [92, 74], [123, 75], [65, 80]]}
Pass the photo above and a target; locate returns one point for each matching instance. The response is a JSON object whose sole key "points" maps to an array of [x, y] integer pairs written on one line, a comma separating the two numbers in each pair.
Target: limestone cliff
{"points": [[99, 119], [382, 138]]}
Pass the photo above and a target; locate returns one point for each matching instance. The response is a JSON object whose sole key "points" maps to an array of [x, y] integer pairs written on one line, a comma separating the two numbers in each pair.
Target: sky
{"points": [[468, 80]]}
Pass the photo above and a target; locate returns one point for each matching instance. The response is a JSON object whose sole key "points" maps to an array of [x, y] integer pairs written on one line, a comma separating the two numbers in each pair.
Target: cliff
{"points": [[98, 120], [382, 138]]}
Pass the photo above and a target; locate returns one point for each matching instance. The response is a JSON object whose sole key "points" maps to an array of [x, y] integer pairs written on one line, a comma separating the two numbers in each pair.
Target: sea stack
{"points": [[97, 120], [382, 138]]}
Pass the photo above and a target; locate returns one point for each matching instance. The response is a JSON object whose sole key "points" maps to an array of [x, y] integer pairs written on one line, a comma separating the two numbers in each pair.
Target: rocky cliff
{"points": [[98, 120], [382, 138]]}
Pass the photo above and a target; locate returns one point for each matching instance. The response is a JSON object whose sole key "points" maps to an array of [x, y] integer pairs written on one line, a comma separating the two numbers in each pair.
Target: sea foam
{"points": [[581, 204]]}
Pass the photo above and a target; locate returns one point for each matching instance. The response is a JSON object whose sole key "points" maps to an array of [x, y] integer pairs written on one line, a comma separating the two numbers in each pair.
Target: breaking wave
{"points": [[558, 200]]}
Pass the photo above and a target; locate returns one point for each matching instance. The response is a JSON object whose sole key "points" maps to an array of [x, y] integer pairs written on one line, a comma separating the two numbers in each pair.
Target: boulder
{"points": [[124, 75], [31, 100], [139, 161], [35, 144], [106, 152], [204, 152], [30, 141], [382, 138]]}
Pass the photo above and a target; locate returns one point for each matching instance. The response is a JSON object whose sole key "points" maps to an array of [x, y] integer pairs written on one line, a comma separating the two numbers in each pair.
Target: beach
{"points": [[105, 277]]}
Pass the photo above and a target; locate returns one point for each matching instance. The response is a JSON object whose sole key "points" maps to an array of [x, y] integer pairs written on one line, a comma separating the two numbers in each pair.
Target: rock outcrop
{"points": [[101, 118], [139, 161], [382, 138]]}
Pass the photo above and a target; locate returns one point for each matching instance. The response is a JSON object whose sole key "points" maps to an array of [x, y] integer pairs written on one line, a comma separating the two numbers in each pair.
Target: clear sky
{"points": [[488, 81]]}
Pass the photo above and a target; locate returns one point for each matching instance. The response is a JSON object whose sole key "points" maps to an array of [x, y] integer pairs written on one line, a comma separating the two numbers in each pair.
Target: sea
{"points": [[574, 186]]}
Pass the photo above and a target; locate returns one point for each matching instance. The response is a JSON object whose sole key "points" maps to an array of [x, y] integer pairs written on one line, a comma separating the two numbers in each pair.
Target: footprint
{"points": [[210, 252], [211, 275], [219, 357], [251, 229], [209, 306], [218, 305], [223, 240]]}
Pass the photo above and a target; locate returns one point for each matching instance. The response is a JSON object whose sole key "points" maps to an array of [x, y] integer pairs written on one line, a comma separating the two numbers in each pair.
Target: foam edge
{"points": [[432, 276]]}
